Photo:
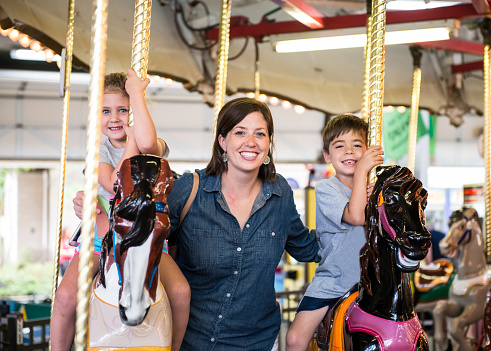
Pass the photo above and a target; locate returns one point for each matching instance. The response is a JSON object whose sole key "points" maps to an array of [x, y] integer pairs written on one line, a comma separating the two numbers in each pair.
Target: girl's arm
{"points": [[144, 128], [109, 174]]}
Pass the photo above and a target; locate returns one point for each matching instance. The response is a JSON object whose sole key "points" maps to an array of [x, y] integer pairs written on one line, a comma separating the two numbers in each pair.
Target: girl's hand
{"points": [[134, 85]]}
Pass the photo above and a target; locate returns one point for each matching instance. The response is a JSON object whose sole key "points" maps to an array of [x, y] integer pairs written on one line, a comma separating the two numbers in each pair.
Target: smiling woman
{"points": [[241, 221]]}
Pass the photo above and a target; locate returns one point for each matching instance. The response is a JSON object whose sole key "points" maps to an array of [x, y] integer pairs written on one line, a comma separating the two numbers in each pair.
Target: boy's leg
{"points": [[179, 293], [62, 327], [303, 328]]}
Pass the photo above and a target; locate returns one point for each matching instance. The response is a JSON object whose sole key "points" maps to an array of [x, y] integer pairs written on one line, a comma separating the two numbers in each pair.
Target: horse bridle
{"points": [[383, 217], [160, 207], [468, 232]]}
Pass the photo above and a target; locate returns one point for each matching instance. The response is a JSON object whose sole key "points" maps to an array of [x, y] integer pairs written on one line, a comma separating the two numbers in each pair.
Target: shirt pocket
{"points": [[207, 247], [269, 248]]}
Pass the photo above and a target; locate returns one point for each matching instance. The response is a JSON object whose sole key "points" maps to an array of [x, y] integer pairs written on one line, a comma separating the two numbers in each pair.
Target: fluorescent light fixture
{"points": [[359, 40], [30, 55], [418, 4]]}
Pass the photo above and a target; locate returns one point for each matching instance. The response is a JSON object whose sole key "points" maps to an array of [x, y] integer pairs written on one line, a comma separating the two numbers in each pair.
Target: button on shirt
{"points": [[231, 271]]}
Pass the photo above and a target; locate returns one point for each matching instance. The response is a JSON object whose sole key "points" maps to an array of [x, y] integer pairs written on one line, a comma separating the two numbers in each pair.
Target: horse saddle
{"points": [[433, 275]]}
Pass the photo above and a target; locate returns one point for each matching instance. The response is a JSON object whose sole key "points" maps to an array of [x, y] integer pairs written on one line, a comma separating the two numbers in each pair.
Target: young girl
{"points": [[123, 141]]}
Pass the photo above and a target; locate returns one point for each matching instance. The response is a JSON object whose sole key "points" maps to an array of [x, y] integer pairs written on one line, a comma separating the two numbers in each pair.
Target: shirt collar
{"points": [[214, 184]]}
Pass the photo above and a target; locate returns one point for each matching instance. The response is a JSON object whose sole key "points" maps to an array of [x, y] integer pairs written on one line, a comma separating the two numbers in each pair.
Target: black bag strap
{"points": [[186, 207]]}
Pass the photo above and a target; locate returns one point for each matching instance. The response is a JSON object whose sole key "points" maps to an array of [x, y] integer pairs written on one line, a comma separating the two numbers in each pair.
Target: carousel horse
{"points": [[128, 306], [467, 296], [377, 314]]}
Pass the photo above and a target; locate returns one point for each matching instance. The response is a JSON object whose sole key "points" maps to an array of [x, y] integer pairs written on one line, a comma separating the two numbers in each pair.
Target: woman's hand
{"points": [[78, 204]]}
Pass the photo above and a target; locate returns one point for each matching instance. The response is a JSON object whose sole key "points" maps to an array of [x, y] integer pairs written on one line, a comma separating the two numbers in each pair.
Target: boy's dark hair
{"points": [[114, 83], [343, 124]]}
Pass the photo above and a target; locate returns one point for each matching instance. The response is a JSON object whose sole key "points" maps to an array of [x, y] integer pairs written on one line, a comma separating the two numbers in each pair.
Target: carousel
{"points": [[381, 312]]}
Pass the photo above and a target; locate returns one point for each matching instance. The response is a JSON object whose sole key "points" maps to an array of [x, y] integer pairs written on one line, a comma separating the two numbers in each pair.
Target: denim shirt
{"points": [[231, 271]]}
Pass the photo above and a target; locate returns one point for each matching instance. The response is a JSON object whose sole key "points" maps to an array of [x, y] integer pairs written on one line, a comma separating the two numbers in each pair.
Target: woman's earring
{"points": [[224, 156], [266, 161]]}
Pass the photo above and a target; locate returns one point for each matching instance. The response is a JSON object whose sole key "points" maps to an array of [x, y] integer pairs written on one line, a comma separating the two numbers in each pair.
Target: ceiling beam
{"points": [[349, 21], [468, 67], [457, 45]]}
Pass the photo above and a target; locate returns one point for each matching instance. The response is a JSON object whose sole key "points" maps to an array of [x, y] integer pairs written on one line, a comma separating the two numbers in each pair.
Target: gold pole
{"points": [[221, 79], [366, 73], [66, 107], [416, 52], [257, 81], [141, 40], [376, 85], [97, 66], [486, 32]]}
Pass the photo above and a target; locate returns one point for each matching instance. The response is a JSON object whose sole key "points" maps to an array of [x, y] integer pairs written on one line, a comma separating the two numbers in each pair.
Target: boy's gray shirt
{"points": [[339, 242]]}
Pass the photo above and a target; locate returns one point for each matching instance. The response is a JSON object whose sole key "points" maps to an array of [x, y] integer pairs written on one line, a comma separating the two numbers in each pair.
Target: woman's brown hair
{"points": [[232, 113]]}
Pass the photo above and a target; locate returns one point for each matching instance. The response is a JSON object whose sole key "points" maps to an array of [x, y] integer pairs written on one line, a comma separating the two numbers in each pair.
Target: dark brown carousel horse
{"points": [[378, 313], [129, 307]]}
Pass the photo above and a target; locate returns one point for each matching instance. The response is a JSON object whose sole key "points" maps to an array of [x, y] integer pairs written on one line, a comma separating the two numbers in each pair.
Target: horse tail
{"points": [[138, 207]]}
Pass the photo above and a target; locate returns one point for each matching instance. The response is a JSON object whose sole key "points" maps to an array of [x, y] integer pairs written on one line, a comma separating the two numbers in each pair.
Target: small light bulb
{"points": [[24, 40], [262, 97], [5, 32], [168, 82], [273, 100], [35, 46], [390, 108], [286, 104], [49, 55], [401, 109], [251, 95], [156, 78], [14, 35], [299, 109]]}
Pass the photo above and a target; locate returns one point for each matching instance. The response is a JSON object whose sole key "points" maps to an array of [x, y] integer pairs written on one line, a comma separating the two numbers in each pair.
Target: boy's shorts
{"points": [[314, 303]]}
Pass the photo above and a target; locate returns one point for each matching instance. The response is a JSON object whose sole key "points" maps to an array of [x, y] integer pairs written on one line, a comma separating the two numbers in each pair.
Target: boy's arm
{"points": [[354, 213], [109, 174], [144, 128]]}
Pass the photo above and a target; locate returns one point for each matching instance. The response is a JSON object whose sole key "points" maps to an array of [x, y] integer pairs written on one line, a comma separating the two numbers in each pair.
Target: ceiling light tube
{"points": [[359, 40]]}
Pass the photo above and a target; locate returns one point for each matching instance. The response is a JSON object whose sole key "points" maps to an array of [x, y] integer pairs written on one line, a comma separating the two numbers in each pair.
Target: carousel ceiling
{"points": [[183, 47]]}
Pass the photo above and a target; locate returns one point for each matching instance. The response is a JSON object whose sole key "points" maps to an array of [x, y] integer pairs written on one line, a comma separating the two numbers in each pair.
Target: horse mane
{"points": [[458, 215], [393, 178]]}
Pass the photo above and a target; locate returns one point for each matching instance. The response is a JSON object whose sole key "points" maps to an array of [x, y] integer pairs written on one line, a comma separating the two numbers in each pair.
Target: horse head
{"points": [[139, 225], [464, 227], [395, 215]]}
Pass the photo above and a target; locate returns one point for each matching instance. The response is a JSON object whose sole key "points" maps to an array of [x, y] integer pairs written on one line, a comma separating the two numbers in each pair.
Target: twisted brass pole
{"points": [[377, 70], [66, 107], [97, 67], [416, 52], [223, 47], [486, 32], [141, 40], [366, 73]]}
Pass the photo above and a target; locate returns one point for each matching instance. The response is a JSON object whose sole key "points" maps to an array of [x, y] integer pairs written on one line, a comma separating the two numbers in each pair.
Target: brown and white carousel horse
{"points": [[378, 313], [129, 308], [467, 296]]}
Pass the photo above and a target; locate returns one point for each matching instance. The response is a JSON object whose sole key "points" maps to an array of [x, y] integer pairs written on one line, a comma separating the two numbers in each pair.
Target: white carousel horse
{"points": [[129, 308], [467, 295]]}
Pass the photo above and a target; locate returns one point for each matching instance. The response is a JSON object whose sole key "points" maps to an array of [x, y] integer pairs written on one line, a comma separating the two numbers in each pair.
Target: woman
{"points": [[242, 219]]}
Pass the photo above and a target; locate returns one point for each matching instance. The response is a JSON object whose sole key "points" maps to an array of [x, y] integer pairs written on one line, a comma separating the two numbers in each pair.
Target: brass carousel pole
{"points": [[66, 107], [257, 76], [141, 40], [223, 46], [416, 52], [97, 66], [376, 85], [486, 32], [366, 73]]}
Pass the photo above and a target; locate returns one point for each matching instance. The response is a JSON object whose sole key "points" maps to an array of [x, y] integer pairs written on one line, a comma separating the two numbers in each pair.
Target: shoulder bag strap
{"points": [[191, 197]]}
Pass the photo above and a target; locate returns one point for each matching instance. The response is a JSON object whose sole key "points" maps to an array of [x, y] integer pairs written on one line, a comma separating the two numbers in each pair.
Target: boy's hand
{"points": [[134, 85], [371, 158], [78, 204]]}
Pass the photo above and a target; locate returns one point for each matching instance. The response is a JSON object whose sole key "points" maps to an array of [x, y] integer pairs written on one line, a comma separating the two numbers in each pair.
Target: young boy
{"points": [[340, 217], [122, 142]]}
